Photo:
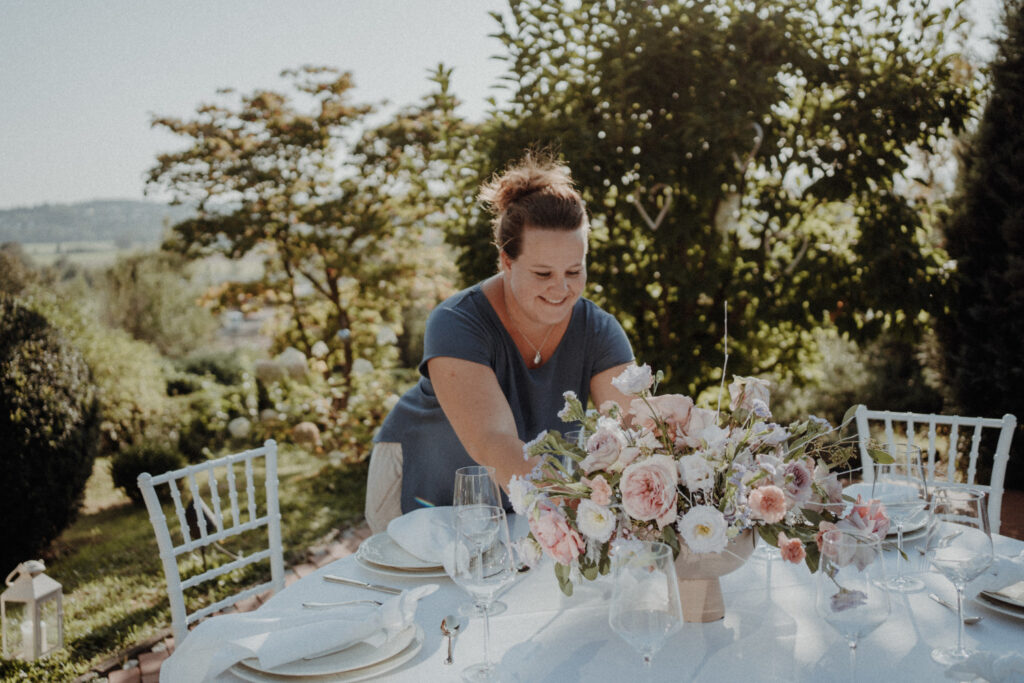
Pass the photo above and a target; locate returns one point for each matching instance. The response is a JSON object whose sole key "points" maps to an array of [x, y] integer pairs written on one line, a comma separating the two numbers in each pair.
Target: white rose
{"points": [[634, 380], [595, 521]]}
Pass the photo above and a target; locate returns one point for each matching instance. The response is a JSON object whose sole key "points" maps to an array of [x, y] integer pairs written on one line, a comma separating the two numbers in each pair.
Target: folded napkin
{"points": [[276, 637], [995, 667], [424, 532]]}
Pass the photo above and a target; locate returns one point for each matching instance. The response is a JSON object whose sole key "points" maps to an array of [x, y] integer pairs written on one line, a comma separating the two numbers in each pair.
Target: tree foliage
{"points": [[982, 331], [49, 421], [338, 220], [737, 152]]}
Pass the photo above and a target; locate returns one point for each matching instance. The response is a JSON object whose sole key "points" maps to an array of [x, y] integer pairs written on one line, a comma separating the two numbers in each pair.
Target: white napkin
{"points": [[995, 667], [277, 637], [424, 532]]}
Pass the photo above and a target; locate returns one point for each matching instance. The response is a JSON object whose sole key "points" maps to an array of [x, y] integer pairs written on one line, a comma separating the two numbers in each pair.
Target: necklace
{"points": [[536, 355]]}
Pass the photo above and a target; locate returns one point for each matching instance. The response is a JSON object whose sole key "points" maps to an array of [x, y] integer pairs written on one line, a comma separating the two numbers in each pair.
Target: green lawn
{"points": [[113, 581]]}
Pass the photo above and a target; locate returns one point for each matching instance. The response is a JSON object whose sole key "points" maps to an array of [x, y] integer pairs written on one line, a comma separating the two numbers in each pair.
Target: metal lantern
{"points": [[32, 613]]}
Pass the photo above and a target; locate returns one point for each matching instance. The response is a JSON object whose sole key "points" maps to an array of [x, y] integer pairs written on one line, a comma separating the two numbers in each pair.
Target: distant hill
{"points": [[123, 221]]}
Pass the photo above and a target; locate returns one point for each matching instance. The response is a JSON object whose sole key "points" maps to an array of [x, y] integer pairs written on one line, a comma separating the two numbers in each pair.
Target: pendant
{"points": [[536, 359]]}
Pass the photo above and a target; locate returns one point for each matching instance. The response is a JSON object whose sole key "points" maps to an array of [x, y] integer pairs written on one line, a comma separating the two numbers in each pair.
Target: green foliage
{"points": [[226, 367], [740, 153], [48, 428], [151, 456], [129, 374], [152, 297], [16, 270], [984, 325]]}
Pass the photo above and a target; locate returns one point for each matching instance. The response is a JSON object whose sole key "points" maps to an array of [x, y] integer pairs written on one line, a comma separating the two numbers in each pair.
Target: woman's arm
{"points": [[477, 409], [602, 389]]}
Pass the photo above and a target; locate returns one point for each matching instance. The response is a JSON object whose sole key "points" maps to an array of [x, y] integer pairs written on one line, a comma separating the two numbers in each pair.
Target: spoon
{"points": [[970, 621], [450, 626]]}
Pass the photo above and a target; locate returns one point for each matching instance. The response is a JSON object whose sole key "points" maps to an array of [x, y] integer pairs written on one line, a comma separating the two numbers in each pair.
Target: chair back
{"points": [[224, 502], [952, 458]]}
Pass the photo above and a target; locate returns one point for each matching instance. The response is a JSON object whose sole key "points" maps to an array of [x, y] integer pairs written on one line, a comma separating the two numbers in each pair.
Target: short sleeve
{"points": [[608, 341], [456, 332]]}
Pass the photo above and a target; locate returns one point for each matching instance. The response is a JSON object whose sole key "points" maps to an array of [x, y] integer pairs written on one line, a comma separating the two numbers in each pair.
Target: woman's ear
{"points": [[504, 262]]}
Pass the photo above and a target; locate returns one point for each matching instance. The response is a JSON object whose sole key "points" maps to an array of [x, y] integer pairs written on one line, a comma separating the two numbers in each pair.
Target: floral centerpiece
{"points": [[671, 471]]}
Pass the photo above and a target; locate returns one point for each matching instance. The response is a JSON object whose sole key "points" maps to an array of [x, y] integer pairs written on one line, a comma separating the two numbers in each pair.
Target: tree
{"points": [[151, 296], [49, 421], [337, 220], [982, 330], [741, 153]]}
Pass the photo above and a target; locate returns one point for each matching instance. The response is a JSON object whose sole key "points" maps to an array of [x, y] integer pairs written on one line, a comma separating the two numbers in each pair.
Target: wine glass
{"points": [[901, 487], [645, 608], [475, 486], [960, 548], [480, 560], [851, 593]]}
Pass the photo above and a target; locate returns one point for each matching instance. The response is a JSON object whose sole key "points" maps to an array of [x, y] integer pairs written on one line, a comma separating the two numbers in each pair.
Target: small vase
{"points": [[698, 575]]}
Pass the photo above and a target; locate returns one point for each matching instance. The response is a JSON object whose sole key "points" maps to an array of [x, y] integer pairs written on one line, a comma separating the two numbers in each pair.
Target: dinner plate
{"points": [[382, 551], [998, 605], [401, 573], [340, 666]]}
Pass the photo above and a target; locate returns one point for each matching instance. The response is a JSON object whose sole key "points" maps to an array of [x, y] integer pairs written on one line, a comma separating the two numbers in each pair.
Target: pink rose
{"points": [[866, 519], [823, 529], [692, 432], [768, 503], [551, 529], [648, 490], [600, 491], [673, 409], [603, 447], [791, 548]]}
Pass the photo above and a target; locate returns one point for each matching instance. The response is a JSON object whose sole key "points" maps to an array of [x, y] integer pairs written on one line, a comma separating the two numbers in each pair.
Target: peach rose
{"points": [[866, 518], [691, 434], [600, 490], [673, 409], [791, 548], [556, 537], [768, 503], [648, 490]]}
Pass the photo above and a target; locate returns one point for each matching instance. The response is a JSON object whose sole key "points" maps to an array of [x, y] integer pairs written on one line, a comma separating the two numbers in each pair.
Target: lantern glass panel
{"points": [[17, 630], [50, 624]]}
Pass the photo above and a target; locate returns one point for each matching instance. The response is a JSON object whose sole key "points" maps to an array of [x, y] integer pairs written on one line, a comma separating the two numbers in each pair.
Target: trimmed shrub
{"points": [[155, 458], [49, 426]]}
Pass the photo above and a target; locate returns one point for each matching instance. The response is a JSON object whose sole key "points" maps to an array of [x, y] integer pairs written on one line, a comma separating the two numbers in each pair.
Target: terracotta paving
{"points": [[145, 667]]}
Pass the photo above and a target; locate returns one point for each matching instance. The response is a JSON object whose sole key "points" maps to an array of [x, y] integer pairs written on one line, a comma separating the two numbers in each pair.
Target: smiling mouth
{"points": [[554, 303]]}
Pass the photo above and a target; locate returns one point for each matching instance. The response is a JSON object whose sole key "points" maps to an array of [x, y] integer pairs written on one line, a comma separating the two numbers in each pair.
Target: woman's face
{"points": [[549, 275]]}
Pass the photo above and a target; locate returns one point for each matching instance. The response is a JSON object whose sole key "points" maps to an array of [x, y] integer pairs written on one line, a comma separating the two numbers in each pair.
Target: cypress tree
{"points": [[983, 333]]}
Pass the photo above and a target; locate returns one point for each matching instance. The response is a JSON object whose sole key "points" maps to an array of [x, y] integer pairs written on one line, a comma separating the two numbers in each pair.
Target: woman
{"points": [[499, 355]]}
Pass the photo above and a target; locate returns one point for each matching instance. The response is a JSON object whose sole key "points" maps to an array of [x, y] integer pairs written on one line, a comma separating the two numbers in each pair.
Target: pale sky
{"points": [[80, 79]]}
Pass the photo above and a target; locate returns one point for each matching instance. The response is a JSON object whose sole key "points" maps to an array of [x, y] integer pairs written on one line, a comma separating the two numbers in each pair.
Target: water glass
{"points": [[960, 548], [901, 487], [475, 486], [851, 594], [645, 608]]}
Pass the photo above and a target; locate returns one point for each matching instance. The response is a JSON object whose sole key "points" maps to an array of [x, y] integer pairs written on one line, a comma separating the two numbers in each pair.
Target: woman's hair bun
{"points": [[535, 172]]}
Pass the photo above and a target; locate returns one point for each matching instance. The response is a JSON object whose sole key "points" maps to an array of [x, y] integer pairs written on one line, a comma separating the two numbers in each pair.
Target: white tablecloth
{"points": [[771, 631]]}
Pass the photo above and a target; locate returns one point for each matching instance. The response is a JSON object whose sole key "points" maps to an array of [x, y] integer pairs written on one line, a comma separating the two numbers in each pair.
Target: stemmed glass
{"points": [[645, 608], [901, 487], [480, 560], [475, 485], [960, 548], [851, 594]]}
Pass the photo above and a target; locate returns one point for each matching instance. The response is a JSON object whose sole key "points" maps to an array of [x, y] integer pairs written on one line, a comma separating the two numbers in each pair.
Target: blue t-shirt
{"points": [[466, 326]]}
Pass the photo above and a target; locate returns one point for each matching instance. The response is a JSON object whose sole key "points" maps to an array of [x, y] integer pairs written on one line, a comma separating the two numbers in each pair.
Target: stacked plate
{"points": [[355, 663], [1009, 600], [381, 554]]}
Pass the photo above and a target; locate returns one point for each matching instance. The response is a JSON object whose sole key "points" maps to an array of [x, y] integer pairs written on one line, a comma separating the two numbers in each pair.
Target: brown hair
{"points": [[536, 191]]}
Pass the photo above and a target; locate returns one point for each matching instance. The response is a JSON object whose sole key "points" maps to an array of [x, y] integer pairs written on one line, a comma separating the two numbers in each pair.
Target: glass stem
{"points": [[899, 546], [960, 586], [853, 661], [487, 632]]}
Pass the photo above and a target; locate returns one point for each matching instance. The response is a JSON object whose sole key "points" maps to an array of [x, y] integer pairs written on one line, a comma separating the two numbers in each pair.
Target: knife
{"points": [[362, 584]]}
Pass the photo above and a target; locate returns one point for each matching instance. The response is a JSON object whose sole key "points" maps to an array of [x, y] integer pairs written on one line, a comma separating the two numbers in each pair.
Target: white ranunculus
{"points": [[634, 380], [703, 528], [595, 521], [521, 493], [696, 473]]}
